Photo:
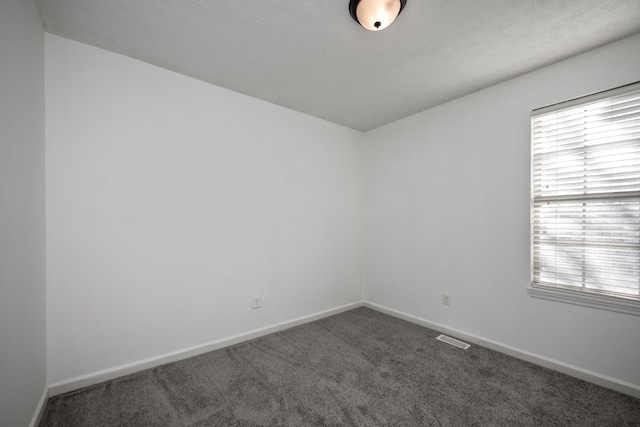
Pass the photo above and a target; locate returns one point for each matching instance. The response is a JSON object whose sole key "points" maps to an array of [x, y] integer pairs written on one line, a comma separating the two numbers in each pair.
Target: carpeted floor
{"points": [[358, 368]]}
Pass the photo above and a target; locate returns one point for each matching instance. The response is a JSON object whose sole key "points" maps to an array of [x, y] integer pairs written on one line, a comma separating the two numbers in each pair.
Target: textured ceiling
{"points": [[310, 56]]}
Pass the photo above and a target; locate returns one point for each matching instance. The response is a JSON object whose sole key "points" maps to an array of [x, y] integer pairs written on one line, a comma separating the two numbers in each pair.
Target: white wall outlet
{"points": [[446, 299], [256, 301]]}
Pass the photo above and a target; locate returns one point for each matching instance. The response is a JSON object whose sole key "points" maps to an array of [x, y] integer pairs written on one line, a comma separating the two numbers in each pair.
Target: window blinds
{"points": [[586, 194]]}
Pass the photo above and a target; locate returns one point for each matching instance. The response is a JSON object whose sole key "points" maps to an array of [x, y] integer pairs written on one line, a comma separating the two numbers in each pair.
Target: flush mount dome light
{"points": [[375, 15]]}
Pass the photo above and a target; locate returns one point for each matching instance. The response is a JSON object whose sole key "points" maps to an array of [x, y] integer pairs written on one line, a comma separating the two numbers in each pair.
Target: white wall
{"points": [[170, 202], [448, 211], [22, 259]]}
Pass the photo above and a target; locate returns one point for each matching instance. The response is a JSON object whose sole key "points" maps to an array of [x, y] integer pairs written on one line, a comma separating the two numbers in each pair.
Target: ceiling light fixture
{"points": [[375, 15]]}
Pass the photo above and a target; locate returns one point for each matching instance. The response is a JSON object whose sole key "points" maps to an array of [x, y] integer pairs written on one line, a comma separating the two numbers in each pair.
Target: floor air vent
{"points": [[453, 341]]}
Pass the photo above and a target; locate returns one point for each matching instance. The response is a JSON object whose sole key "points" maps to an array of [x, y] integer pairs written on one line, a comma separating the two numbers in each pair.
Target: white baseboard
{"points": [[130, 368], [37, 415], [537, 359]]}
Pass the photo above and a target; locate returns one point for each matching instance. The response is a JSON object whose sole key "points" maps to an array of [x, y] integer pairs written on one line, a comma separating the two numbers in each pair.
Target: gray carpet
{"points": [[358, 368]]}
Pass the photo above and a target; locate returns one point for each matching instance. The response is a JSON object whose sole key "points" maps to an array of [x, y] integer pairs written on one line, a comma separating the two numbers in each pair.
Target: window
{"points": [[585, 207]]}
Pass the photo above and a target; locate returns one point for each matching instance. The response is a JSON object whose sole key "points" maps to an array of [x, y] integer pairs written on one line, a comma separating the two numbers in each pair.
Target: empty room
{"points": [[300, 213]]}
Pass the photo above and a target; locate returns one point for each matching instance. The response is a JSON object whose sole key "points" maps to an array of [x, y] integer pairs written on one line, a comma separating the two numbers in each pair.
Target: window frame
{"points": [[560, 293]]}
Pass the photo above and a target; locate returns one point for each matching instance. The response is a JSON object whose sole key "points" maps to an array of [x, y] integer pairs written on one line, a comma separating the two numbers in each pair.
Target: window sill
{"points": [[604, 302]]}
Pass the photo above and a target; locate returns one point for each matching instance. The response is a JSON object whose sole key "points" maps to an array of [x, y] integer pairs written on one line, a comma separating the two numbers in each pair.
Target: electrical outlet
{"points": [[446, 299], [256, 301]]}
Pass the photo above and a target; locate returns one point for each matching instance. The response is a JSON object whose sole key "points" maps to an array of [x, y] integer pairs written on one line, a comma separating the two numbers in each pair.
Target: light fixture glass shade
{"points": [[376, 15]]}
